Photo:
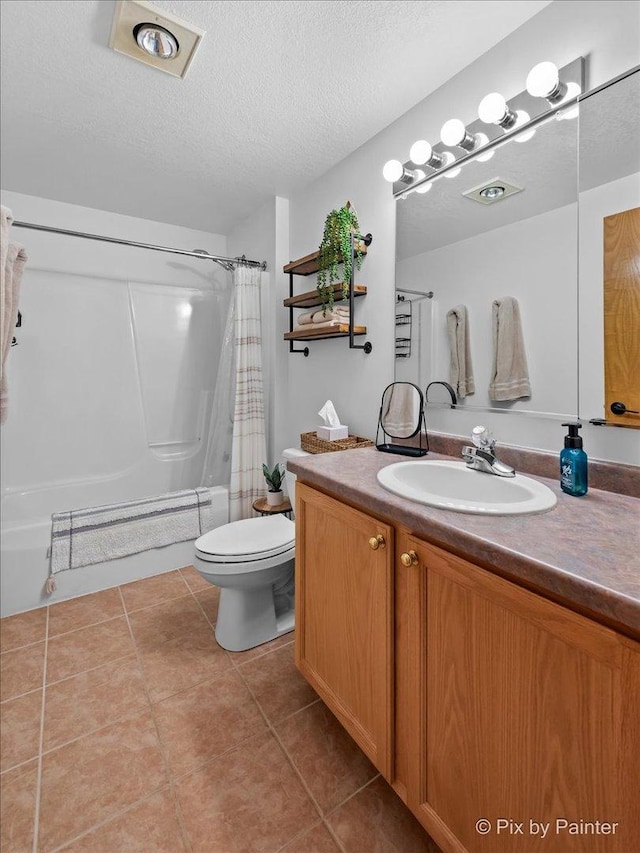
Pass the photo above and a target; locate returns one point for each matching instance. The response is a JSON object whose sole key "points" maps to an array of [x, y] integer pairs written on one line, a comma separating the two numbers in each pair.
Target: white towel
{"points": [[87, 536], [460, 370], [12, 260], [400, 410], [509, 375], [337, 313], [306, 317], [330, 323]]}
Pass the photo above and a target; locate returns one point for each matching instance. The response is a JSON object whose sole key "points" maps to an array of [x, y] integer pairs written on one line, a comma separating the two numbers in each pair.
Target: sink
{"points": [[451, 485]]}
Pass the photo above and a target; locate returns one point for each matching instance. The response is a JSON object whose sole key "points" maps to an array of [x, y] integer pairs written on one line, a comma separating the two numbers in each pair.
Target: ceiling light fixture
{"points": [[499, 121], [156, 41]]}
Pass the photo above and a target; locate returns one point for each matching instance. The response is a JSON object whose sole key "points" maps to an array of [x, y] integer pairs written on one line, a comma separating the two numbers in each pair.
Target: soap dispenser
{"points": [[573, 463]]}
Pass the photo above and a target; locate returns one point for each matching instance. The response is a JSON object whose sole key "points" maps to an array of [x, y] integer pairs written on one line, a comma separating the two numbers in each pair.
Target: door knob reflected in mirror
{"points": [[409, 559], [376, 542], [620, 409]]}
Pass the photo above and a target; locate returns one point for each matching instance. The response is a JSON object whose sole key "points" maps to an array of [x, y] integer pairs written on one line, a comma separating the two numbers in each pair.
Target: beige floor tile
{"points": [[153, 590], [194, 579], [376, 820], [87, 781], [277, 684], [17, 808], [330, 762], [206, 720], [209, 600], [20, 729], [247, 800], [163, 622], [85, 702], [84, 611], [150, 827], [23, 629], [72, 653], [182, 662], [21, 671], [317, 840], [239, 658]]}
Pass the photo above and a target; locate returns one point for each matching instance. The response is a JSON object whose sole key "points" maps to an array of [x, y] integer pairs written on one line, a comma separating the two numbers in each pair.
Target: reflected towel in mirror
{"points": [[460, 370], [509, 375]]}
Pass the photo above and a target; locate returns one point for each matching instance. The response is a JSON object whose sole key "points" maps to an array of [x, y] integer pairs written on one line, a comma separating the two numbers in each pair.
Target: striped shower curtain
{"points": [[248, 447]]}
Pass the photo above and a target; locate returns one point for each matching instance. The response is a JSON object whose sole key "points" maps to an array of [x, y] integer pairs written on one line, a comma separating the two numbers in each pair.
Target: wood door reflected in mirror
{"points": [[622, 318]]}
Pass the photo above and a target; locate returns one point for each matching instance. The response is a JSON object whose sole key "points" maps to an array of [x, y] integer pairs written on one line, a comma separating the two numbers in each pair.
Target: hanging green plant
{"points": [[335, 249]]}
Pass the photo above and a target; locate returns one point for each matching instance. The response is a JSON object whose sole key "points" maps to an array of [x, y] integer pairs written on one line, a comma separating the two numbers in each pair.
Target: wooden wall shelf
{"points": [[310, 299], [309, 264], [319, 334]]}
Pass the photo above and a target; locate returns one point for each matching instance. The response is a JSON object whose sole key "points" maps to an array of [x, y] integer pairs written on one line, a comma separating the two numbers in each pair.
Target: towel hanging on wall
{"points": [[460, 370], [12, 260], [86, 536], [509, 375]]}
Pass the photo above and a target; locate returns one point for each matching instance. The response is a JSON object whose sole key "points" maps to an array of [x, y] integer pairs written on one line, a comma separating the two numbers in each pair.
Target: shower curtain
{"points": [[12, 261], [237, 445]]}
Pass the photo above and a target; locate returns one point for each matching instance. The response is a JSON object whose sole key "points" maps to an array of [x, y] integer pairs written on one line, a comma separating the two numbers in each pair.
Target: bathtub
{"points": [[25, 564]]}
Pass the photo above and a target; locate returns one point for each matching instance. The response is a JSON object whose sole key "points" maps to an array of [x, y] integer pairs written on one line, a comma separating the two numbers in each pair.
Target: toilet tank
{"points": [[290, 478]]}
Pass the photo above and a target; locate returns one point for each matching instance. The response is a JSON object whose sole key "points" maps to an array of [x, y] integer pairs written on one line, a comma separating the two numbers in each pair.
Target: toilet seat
{"points": [[247, 541]]}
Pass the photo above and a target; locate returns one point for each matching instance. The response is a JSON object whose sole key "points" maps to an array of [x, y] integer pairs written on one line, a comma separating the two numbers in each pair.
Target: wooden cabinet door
{"points": [[622, 316], [523, 712], [344, 617]]}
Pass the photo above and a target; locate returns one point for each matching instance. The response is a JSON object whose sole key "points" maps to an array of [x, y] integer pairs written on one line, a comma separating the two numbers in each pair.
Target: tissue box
{"points": [[329, 433]]}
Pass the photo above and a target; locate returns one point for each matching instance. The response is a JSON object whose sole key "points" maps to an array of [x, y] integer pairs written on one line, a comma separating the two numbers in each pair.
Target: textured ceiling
{"points": [[263, 110]]}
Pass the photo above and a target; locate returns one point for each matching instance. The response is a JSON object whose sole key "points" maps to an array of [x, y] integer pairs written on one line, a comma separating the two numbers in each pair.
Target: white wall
{"points": [[110, 384], [607, 33]]}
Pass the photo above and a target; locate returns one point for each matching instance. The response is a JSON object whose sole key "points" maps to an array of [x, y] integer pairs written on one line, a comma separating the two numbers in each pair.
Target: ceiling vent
{"points": [[492, 191], [154, 36]]}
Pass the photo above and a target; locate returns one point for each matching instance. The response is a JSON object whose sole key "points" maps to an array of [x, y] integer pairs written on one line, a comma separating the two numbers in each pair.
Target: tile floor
{"points": [[127, 729]]}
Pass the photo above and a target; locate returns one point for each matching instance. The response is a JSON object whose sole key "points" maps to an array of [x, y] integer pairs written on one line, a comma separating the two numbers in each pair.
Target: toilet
{"points": [[253, 562]]}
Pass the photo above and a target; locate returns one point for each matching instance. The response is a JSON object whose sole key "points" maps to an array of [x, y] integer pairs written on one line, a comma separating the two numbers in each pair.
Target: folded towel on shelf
{"points": [[86, 536], [337, 313], [305, 318], [330, 323], [509, 375], [460, 369]]}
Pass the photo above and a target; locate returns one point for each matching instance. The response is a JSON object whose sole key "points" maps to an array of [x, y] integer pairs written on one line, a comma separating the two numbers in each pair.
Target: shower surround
{"points": [[111, 386]]}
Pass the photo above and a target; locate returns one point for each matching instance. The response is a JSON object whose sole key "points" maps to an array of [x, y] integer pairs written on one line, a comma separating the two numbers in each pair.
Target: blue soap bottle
{"points": [[573, 463]]}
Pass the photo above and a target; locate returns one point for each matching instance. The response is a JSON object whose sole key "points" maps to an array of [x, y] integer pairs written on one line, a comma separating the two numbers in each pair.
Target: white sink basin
{"points": [[451, 485]]}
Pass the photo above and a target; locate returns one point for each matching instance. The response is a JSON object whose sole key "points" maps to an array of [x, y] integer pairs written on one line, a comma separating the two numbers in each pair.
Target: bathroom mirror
{"points": [[401, 417], [609, 254], [453, 249]]}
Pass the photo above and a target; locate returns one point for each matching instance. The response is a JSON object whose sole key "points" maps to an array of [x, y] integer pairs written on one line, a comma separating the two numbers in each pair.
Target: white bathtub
{"points": [[25, 564]]}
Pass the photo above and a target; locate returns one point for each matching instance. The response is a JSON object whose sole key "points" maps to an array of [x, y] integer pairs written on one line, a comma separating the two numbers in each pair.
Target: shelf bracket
{"points": [[305, 350], [367, 346]]}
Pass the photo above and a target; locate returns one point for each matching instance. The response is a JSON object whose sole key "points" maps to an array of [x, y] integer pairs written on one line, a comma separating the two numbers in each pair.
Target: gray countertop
{"points": [[584, 552]]}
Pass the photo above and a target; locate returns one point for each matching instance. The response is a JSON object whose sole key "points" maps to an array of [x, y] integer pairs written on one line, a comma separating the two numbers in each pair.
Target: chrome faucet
{"points": [[482, 457]]}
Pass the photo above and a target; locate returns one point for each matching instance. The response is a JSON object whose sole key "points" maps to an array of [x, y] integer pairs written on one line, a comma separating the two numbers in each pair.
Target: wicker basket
{"points": [[310, 442]]}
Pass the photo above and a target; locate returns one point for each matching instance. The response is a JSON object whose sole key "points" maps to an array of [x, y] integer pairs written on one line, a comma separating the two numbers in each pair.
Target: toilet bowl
{"points": [[252, 561]]}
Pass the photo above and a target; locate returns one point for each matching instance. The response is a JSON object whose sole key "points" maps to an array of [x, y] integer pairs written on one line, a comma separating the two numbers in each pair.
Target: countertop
{"points": [[585, 552]]}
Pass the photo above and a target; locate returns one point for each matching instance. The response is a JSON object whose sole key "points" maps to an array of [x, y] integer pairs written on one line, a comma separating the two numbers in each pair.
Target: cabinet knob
{"points": [[409, 559], [377, 542]]}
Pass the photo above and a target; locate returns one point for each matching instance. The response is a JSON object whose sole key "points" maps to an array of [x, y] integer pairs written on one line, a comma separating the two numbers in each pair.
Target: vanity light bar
{"points": [[548, 89]]}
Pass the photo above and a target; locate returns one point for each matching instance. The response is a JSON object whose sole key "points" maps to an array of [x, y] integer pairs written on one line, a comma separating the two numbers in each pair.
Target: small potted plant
{"points": [[274, 481]]}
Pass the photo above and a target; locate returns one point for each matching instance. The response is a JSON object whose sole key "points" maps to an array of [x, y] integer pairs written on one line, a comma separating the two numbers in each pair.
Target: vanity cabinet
{"points": [[509, 708], [344, 617]]}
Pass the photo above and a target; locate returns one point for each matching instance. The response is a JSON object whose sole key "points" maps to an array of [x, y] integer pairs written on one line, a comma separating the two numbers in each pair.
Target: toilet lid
{"points": [[249, 539]]}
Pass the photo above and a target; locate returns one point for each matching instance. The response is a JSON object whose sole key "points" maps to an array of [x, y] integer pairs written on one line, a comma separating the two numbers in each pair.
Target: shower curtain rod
{"points": [[229, 264]]}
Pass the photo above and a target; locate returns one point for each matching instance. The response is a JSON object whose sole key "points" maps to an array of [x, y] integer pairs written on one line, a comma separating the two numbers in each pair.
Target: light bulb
{"points": [[522, 118], [482, 139], [492, 108], [393, 170], [453, 132], [423, 188], [420, 152], [543, 80]]}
